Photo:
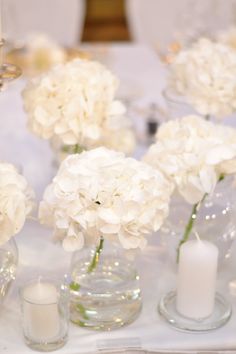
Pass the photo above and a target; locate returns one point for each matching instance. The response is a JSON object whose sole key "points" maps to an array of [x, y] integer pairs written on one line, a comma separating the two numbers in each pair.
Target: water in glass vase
{"points": [[108, 297], [8, 265], [214, 221]]}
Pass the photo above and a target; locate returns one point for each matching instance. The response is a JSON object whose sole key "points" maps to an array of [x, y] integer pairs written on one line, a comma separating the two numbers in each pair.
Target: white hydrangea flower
{"points": [[41, 53], [194, 154], [15, 201], [102, 193], [206, 75], [119, 136], [75, 103], [228, 37]]}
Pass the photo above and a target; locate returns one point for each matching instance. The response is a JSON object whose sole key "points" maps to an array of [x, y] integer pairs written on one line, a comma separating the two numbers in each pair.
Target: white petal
{"points": [[73, 243], [220, 153]]}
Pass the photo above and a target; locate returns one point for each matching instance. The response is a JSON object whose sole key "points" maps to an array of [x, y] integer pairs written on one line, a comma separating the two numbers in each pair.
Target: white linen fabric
{"points": [[39, 256]]}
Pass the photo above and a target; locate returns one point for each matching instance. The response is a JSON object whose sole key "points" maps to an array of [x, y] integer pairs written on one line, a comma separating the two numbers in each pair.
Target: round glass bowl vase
{"points": [[105, 290], [215, 220], [8, 266]]}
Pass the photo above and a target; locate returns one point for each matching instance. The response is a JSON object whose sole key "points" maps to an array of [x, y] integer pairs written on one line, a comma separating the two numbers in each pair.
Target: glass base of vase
{"points": [[46, 346], [107, 319], [221, 314], [107, 298]]}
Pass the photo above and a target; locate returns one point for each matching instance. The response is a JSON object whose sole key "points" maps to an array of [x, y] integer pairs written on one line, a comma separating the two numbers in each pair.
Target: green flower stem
{"points": [[75, 286], [77, 149], [188, 228], [190, 224], [222, 176], [96, 256], [72, 149], [192, 219], [81, 309]]}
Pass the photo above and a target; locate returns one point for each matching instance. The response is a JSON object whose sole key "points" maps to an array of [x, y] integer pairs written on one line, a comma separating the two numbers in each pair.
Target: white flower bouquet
{"points": [[101, 193], [206, 75], [195, 155], [75, 104], [16, 201], [100, 196]]}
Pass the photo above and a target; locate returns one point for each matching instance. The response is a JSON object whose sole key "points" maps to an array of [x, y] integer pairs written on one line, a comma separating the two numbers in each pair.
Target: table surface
{"points": [[142, 79]]}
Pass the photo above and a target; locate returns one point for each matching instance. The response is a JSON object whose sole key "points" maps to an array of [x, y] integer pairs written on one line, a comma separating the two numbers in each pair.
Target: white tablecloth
{"points": [[136, 66]]}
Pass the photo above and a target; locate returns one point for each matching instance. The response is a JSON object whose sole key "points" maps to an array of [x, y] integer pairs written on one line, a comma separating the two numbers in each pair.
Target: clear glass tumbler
{"points": [[45, 314]]}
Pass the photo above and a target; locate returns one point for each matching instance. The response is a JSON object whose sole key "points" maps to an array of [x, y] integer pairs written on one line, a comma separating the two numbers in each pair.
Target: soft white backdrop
{"points": [[157, 22], [61, 19]]}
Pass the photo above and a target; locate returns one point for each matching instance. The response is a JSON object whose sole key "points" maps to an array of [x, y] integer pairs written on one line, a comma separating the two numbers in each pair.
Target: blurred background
{"points": [[135, 39], [156, 22]]}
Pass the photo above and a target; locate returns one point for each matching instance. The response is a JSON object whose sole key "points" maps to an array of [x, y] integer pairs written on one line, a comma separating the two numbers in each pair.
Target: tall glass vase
{"points": [[214, 221], [8, 266], [105, 290], [177, 106]]}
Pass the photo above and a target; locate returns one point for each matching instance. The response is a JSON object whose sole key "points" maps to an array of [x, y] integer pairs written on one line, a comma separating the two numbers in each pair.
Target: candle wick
{"points": [[197, 236]]}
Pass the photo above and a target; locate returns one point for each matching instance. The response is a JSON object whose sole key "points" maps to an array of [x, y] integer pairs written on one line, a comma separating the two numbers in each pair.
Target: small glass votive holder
{"points": [[45, 314]]}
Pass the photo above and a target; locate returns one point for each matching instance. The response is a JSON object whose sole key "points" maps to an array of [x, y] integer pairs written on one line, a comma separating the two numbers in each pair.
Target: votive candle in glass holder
{"points": [[45, 314]]}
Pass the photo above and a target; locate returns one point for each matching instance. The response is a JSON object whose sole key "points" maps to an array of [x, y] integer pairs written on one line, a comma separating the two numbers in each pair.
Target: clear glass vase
{"points": [[215, 220], [105, 290], [177, 105], [8, 266]]}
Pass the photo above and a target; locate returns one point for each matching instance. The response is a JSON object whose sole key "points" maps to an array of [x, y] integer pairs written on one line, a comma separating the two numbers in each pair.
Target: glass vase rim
{"points": [[171, 95], [12, 239]]}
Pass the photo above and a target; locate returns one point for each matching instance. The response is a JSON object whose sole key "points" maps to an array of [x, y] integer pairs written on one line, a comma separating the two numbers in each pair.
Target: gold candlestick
{"points": [[8, 72]]}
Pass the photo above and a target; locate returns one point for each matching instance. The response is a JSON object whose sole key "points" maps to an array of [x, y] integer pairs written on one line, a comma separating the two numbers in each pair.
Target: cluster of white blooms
{"points": [[206, 75], [119, 135], [194, 154], [15, 201], [103, 193], [41, 53], [75, 103]]}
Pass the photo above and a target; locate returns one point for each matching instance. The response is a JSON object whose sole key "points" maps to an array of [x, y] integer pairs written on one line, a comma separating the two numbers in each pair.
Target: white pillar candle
{"points": [[40, 307], [196, 280]]}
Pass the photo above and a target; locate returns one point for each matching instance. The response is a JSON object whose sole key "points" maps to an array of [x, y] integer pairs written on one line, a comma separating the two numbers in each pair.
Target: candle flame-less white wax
{"points": [[41, 315], [196, 280]]}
